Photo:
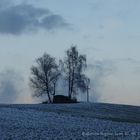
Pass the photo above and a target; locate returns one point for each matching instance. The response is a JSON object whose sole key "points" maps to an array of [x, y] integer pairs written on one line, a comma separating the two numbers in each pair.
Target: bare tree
{"points": [[73, 67], [45, 75]]}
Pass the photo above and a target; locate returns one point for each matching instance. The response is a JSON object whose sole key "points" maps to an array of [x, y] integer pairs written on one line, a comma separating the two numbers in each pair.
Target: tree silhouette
{"points": [[73, 66], [45, 75]]}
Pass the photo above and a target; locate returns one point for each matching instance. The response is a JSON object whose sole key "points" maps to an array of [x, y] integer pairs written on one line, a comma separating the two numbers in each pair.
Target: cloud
{"points": [[18, 19], [129, 64], [111, 25], [5, 3], [130, 60]]}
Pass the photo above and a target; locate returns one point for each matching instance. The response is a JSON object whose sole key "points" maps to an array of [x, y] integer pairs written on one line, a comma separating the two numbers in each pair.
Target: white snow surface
{"points": [[67, 122]]}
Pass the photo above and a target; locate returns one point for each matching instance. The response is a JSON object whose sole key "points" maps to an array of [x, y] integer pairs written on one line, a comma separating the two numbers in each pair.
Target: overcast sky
{"points": [[107, 31]]}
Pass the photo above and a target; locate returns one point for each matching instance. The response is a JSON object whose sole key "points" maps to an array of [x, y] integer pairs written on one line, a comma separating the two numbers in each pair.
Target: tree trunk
{"points": [[72, 80], [49, 98], [49, 95], [54, 90], [69, 90], [87, 94]]}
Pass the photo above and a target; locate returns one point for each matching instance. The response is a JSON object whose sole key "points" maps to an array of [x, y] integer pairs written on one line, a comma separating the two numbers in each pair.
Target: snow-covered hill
{"points": [[70, 121]]}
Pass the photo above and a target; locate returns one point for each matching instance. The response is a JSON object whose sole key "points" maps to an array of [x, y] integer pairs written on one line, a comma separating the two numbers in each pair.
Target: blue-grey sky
{"points": [[107, 31]]}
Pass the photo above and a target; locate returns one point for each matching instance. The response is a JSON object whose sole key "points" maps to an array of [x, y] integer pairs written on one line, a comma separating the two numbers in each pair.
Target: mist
{"points": [[13, 88], [98, 72]]}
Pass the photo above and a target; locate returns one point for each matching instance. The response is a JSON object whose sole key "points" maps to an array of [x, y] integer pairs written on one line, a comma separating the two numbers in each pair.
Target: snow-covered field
{"points": [[69, 121]]}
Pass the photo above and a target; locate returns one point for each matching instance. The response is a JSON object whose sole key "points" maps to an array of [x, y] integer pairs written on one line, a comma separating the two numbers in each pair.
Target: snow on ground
{"points": [[64, 122]]}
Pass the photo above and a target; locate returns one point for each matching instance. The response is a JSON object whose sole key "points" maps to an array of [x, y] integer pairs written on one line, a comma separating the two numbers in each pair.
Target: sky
{"points": [[107, 31]]}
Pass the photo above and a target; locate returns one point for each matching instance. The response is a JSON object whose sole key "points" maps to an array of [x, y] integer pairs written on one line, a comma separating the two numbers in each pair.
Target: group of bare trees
{"points": [[46, 74]]}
